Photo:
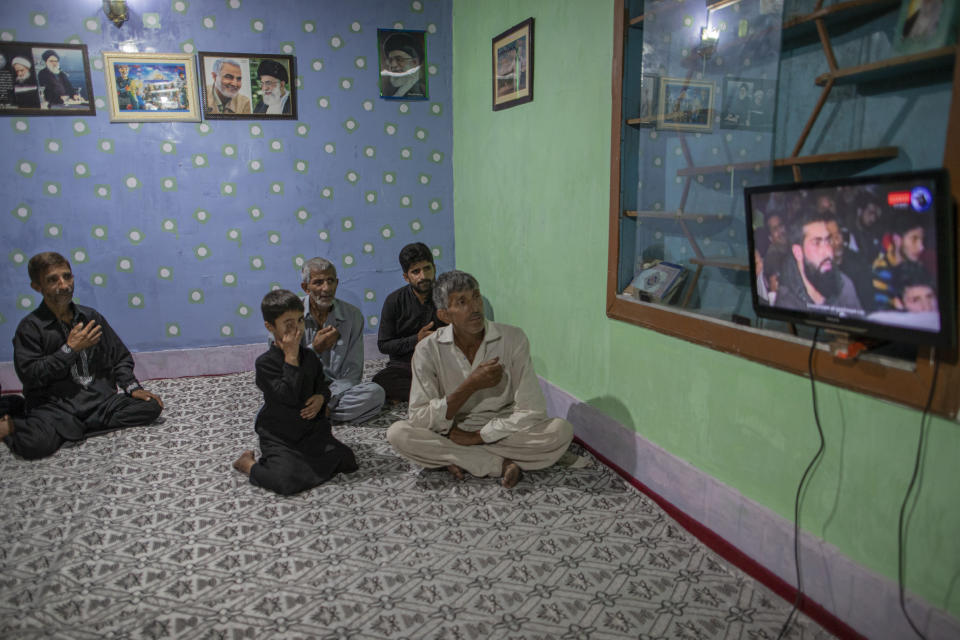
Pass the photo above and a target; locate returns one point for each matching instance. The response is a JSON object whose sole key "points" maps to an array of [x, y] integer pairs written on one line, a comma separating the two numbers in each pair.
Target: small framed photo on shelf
{"points": [[151, 87], [748, 104], [403, 63], [248, 86], [924, 25], [45, 79], [513, 66], [685, 105]]}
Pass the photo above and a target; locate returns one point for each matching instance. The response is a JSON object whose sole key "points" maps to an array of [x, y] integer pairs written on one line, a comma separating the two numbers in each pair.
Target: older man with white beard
{"points": [[273, 82], [25, 93], [224, 95], [334, 330], [402, 72]]}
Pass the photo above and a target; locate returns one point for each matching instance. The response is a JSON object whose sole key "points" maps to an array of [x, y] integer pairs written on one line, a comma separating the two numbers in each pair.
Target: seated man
{"points": [[475, 403], [70, 363], [334, 330], [408, 317]]}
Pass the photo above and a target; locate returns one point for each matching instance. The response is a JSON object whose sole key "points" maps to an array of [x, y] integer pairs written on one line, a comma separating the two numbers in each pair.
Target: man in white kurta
{"points": [[475, 402]]}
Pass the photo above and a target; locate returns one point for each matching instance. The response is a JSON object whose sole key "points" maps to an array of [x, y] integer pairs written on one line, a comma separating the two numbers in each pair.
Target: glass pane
{"points": [[699, 94]]}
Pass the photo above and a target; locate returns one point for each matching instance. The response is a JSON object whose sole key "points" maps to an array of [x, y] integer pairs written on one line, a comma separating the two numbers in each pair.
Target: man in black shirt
{"points": [[408, 317], [70, 362]]}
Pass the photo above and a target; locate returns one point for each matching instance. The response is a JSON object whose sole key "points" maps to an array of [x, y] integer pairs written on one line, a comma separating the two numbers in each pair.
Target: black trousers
{"points": [[284, 471], [38, 434], [395, 379]]}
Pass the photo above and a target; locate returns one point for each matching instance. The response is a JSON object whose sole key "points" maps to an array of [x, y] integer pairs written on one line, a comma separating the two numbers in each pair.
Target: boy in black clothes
{"points": [[298, 451]]}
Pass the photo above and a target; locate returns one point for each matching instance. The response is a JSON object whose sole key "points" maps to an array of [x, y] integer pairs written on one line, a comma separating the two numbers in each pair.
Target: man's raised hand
{"points": [[82, 337], [487, 374], [325, 339], [425, 331]]}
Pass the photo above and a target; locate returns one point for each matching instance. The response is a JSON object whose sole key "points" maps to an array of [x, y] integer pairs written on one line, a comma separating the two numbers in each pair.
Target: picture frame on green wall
{"points": [[513, 66], [151, 87], [924, 25], [45, 79]]}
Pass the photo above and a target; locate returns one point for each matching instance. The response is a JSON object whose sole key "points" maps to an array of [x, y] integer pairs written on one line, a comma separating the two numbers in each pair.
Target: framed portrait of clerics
{"points": [[403, 63], [248, 86], [685, 105], [748, 104], [151, 87], [924, 25], [45, 79], [513, 66]]}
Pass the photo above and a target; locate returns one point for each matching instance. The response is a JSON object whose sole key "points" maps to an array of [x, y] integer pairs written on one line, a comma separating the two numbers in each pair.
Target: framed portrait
{"points": [[403, 64], [45, 79], [513, 66], [248, 86], [685, 105], [924, 25], [748, 104], [151, 87]]}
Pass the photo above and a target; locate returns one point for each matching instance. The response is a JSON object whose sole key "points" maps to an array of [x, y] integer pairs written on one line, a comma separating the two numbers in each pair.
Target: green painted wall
{"points": [[531, 201]]}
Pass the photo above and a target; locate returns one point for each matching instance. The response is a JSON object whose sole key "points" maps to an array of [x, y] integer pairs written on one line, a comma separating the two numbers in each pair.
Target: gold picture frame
{"points": [[151, 87], [685, 105]]}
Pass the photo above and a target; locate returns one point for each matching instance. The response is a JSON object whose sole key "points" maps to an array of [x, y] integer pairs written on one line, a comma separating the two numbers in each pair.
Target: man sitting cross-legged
{"points": [[475, 403], [70, 363], [333, 328]]}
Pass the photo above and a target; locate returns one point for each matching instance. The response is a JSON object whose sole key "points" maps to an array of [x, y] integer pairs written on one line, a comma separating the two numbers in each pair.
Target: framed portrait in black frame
{"points": [[748, 103], [45, 79], [248, 86], [513, 66], [403, 63]]}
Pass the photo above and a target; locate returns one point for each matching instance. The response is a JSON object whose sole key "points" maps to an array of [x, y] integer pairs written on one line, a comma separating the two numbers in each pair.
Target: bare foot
{"points": [[456, 472], [6, 426], [511, 474], [245, 462]]}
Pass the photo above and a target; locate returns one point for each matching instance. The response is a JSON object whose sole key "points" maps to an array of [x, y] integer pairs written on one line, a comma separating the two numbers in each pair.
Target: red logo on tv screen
{"points": [[898, 198]]}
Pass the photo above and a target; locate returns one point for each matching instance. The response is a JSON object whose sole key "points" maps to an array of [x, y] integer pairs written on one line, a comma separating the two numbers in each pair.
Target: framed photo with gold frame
{"points": [[151, 87], [685, 105], [513, 66], [45, 79]]}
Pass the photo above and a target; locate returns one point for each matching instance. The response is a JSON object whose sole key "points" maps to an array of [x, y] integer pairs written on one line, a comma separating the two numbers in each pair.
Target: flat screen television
{"points": [[871, 256]]}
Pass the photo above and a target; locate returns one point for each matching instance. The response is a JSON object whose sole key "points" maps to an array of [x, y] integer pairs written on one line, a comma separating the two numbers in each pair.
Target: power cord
{"points": [[796, 504], [906, 498]]}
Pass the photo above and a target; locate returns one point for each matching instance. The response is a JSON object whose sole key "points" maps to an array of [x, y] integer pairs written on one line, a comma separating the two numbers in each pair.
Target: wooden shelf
{"points": [[877, 154], [675, 215], [720, 264], [639, 122], [941, 58], [849, 11], [636, 21]]}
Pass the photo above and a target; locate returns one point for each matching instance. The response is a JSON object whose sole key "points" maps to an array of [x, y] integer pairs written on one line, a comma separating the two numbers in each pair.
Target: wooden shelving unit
{"points": [[885, 69]]}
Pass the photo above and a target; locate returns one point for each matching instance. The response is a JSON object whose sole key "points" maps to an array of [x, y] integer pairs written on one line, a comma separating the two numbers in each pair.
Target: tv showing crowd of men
{"points": [[865, 251]]}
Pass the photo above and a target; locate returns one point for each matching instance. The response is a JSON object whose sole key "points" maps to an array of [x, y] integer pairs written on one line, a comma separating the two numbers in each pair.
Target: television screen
{"points": [[870, 255]]}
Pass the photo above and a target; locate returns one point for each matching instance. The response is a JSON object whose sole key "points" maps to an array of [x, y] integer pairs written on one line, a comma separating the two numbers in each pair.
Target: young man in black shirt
{"points": [[408, 317], [70, 362]]}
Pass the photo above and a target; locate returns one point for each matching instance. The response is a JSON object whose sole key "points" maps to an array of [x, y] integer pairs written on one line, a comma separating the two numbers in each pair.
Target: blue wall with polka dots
{"points": [[176, 230]]}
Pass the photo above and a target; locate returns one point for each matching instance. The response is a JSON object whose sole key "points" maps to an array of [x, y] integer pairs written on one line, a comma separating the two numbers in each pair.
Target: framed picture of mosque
{"points": [[45, 79], [513, 66], [151, 87], [248, 86]]}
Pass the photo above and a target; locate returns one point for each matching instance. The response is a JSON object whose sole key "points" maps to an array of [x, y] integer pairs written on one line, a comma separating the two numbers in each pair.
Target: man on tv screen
{"points": [[812, 280]]}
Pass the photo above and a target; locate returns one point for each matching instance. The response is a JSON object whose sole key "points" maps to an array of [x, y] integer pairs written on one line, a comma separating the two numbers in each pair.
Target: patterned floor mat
{"points": [[149, 533]]}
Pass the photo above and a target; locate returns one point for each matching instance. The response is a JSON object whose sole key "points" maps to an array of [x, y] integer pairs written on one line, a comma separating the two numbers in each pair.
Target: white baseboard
{"points": [[862, 599]]}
